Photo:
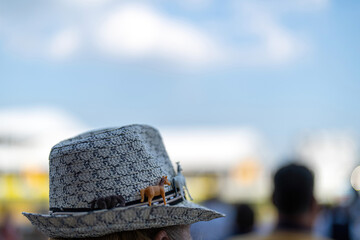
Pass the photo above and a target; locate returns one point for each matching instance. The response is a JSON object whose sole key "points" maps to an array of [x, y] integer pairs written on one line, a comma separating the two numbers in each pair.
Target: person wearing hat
{"points": [[97, 180]]}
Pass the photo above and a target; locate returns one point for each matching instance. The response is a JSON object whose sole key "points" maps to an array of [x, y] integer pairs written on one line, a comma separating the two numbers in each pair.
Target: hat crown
{"points": [[113, 161]]}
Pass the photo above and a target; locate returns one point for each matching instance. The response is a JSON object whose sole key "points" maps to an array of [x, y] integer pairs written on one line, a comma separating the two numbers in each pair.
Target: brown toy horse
{"points": [[153, 191]]}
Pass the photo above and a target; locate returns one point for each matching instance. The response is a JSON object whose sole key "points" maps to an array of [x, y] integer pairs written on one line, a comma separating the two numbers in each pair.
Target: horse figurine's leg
{"points": [[182, 191], [150, 199], [142, 192], [162, 192]]}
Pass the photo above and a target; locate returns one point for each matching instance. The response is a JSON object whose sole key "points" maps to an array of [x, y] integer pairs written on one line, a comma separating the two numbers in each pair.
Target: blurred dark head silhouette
{"points": [[245, 219], [293, 189]]}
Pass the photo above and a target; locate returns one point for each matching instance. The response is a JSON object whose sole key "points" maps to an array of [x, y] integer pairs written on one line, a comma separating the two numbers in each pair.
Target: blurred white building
{"points": [[27, 135], [238, 156], [332, 155], [235, 154]]}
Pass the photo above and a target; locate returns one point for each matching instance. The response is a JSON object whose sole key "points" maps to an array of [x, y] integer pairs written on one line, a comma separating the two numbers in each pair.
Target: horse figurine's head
{"points": [[164, 180], [179, 169]]}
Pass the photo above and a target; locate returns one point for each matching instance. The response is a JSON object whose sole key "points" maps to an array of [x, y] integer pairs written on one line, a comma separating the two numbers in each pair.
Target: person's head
{"points": [[180, 232], [245, 218], [293, 194], [99, 182]]}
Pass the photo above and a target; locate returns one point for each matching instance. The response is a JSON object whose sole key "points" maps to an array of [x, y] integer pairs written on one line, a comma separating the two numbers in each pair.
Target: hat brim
{"points": [[103, 222]]}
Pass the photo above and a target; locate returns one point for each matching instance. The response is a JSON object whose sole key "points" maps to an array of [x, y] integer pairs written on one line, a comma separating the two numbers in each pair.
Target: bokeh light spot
{"points": [[355, 178]]}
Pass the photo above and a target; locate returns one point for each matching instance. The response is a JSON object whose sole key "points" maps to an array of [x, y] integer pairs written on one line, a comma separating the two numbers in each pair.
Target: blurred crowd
{"points": [[298, 215], [10, 230]]}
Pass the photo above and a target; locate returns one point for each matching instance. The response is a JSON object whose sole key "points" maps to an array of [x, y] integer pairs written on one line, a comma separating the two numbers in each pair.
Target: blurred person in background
{"points": [[220, 228], [341, 222], [354, 215], [322, 225], [245, 219], [293, 197], [8, 230], [217, 229]]}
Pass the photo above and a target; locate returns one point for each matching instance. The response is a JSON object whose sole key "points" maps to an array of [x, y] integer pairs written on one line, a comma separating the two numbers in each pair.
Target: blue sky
{"points": [[283, 67]]}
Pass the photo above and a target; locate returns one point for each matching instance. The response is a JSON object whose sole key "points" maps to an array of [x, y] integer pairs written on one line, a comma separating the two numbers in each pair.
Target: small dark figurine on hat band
{"points": [[153, 191], [108, 202]]}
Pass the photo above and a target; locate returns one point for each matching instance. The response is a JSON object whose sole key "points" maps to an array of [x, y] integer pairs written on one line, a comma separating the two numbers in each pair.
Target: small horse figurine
{"points": [[179, 182], [153, 191]]}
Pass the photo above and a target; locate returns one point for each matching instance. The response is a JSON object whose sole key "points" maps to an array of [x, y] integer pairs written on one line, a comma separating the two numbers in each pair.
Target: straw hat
{"points": [[86, 169]]}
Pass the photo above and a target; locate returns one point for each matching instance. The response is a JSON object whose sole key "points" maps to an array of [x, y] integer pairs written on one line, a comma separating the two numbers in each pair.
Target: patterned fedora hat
{"points": [[96, 181]]}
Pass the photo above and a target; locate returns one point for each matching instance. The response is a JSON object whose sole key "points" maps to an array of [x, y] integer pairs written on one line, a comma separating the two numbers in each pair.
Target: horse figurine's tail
{"points": [[142, 192], [187, 190]]}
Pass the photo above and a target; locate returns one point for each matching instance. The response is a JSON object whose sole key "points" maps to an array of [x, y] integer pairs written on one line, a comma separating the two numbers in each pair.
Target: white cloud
{"points": [[85, 3], [278, 4], [194, 4], [274, 44], [138, 31], [64, 44], [310, 4]]}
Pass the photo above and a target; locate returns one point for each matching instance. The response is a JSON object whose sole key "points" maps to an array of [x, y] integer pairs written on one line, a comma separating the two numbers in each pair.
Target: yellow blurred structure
{"points": [[23, 191]]}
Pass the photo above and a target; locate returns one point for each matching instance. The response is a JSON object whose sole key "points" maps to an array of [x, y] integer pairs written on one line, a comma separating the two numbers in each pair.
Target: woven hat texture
{"points": [[108, 162]]}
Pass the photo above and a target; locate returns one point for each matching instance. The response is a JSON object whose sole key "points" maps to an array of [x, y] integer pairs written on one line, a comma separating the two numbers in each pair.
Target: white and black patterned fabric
{"points": [[108, 162]]}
